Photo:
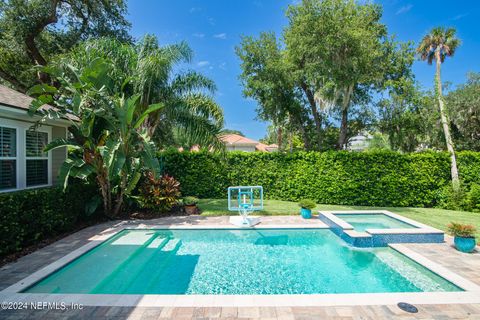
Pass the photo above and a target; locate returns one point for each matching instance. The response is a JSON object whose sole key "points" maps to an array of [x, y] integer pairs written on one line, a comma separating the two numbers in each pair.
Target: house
{"points": [[23, 164], [235, 142], [359, 142], [266, 148]]}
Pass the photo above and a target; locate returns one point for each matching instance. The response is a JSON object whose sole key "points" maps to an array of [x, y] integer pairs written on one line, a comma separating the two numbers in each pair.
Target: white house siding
{"points": [[241, 148], [58, 155]]}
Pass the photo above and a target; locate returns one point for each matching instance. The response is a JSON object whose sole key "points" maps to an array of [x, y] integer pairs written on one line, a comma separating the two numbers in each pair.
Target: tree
{"points": [[436, 46], [341, 51], [335, 54], [291, 140], [107, 129], [266, 77], [189, 115], [231, 131], [32, 32], [402, 117], [463, 105]]}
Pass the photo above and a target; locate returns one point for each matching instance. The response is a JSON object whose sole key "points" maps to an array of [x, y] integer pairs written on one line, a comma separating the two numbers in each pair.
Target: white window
{"points": [[36, 171], [8, 158], [23, 164]]}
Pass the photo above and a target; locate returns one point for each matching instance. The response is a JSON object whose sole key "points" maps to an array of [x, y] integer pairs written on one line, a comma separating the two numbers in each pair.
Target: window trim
{"points": [[48, 131], [16, 158], [21, 166]]}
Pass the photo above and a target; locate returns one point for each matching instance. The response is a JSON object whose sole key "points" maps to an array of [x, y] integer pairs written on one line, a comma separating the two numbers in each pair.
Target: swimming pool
{"points": [[254, 261], [362, 222]]}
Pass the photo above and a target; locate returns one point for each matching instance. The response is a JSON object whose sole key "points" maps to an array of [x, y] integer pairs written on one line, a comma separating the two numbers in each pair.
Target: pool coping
{"points": [[13, 293]]}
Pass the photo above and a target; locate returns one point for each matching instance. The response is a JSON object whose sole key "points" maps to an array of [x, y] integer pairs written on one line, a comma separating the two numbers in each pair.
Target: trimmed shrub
{"points": [[473, 197], [29, 216], [376, 178], [469, 167]]}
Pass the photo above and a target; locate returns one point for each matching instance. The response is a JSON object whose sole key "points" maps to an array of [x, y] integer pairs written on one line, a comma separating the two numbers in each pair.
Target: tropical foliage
{"points": [[190, 201], [307, 204], [159, 194], [189, 116], [108, 133], [461, 230]]}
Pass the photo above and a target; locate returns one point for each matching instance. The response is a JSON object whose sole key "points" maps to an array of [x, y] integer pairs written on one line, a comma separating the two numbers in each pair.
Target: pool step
{"points": [[141, 268], [134, 261], [171, 245], [409, 270]]}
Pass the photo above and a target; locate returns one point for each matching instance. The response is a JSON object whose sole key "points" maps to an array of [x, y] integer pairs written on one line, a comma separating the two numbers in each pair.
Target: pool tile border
{"points": [[380, 237], [13, 293]]}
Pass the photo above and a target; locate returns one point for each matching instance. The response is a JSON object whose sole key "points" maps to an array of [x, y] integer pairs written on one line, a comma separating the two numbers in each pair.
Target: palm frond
{"points": [[192, 81], [198, 130], [202, 105], [439, 39], [179, 52]]}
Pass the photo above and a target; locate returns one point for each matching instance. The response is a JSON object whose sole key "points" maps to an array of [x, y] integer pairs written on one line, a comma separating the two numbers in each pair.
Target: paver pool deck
{"points": [[464, 265]]}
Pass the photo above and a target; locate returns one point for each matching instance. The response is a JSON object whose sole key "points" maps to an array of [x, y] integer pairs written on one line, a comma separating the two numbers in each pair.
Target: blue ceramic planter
{"points": [[464, 244], [306, 213]]}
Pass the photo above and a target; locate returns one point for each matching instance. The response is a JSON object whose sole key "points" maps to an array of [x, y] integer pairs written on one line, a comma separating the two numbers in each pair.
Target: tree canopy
{"points": [[463, 105], [333, 55], [32, 32]]}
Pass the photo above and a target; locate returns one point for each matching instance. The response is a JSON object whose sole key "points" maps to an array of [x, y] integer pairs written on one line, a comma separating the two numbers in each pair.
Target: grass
{"points": [[437, 218]]}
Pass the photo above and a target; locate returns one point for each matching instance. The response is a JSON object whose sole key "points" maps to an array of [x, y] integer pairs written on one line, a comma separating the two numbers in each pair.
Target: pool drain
{"points": [[407, 307]]}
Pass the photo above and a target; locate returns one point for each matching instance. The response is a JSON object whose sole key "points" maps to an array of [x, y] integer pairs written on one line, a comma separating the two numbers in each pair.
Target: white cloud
{"points": [[195, 9], [459, 16], [404, 9], [198, 35], [223, 66], [222, 36], [203, 63]]}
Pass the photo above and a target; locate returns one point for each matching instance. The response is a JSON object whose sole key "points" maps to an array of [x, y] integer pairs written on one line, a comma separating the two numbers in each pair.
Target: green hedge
{"points": [[28, 216], [352, 178], [469, 167]]}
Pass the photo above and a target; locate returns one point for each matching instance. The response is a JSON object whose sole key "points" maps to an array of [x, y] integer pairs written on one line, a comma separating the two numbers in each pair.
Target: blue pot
{"points": [[464, 244], [306, 213]]}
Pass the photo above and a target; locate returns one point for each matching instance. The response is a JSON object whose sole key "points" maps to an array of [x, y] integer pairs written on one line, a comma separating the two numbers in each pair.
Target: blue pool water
{"points": [[293, 261], [361, 222]]}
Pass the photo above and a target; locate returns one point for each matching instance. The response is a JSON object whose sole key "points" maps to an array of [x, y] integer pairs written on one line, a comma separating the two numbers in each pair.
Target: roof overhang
{"points": [[15, 113]]}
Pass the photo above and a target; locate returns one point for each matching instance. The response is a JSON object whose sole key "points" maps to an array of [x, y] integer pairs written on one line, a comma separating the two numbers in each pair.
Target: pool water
{"points": [[361, 222], [300, 261]]}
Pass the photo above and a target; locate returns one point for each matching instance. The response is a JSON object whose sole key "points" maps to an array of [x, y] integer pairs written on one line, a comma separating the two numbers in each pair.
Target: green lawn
{"points": [[437, 218]]}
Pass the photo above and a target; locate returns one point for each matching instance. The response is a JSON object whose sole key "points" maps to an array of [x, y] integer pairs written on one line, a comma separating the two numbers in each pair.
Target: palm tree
{"points": [[439, 44], [152, 71]]}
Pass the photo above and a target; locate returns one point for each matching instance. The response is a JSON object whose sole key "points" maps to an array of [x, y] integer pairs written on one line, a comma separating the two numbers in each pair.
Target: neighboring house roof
{"points": [[235, 139], [238, 140], [15, 99], [266, 148]]}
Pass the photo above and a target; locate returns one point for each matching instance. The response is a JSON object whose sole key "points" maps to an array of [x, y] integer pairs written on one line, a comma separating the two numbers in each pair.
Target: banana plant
{"points": [[108, 138]]}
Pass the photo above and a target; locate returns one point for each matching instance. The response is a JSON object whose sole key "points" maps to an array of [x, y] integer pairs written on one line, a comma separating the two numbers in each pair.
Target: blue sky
{"points": [[213, 29]]}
